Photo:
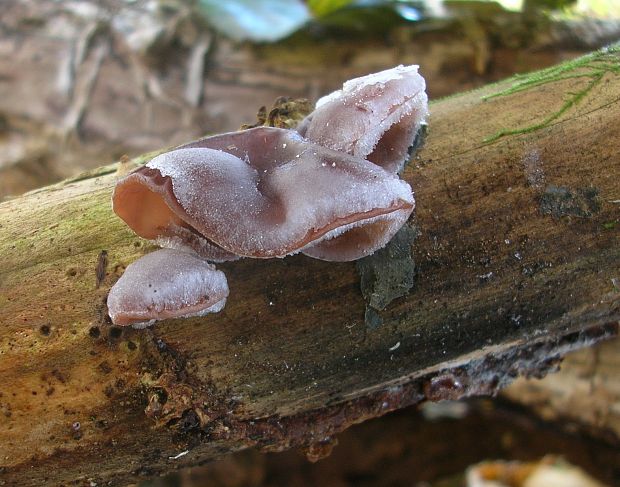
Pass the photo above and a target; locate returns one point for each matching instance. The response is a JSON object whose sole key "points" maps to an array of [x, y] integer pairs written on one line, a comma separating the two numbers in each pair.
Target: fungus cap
{"points": [[374, 117], [262, 193], [166, 284]]}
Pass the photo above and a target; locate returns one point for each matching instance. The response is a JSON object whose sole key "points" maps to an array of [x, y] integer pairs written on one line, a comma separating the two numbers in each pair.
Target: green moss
{"points": [[69, 227], [592, 68]]}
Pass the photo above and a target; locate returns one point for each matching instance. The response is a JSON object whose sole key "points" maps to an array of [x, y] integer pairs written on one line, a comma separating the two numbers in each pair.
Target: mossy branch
{"points": [[513, 268], [593, 66]]}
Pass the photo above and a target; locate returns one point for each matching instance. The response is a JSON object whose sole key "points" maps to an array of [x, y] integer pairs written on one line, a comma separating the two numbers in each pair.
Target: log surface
{"points": [[516, 261]]}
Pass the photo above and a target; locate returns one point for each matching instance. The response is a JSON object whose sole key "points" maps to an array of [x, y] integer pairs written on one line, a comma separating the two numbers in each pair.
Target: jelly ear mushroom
{"points": [[375, 117], [264, 192], [166, 284]]}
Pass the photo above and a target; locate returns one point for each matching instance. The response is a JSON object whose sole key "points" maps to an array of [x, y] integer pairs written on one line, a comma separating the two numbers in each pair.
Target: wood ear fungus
{"points": [[329, 190], [375, 117], [262, 193], [166, 284]]}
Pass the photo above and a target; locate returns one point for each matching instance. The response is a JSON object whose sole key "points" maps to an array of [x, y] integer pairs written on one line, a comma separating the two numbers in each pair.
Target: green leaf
{"points": [[321, 8]]}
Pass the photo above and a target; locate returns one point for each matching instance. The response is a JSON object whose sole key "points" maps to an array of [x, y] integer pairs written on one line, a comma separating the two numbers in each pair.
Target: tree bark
{"points": [[516, 263]]}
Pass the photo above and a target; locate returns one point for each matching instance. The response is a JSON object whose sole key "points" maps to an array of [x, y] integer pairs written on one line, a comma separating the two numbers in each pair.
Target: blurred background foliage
{"points": [[104, 78], [271, 20]]}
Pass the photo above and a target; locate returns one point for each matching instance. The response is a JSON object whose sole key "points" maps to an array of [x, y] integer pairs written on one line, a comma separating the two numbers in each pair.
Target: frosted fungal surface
{"points": [[375, 117], [264, 192], [358, 239], [187, 239], [328, 189], [166, 284]]}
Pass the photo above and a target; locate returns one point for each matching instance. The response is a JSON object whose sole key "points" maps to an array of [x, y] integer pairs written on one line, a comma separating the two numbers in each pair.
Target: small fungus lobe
{"points": [[375, 117], [167, 284]]}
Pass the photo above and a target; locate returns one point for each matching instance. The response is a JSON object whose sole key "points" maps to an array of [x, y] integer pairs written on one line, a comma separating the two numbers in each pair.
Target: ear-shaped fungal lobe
{"points": [[166, 284], [264, 192], [375, 117]]}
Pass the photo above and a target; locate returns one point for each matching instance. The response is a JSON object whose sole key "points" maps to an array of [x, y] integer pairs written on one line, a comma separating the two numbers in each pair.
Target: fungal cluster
{"points": [[329, 189]]}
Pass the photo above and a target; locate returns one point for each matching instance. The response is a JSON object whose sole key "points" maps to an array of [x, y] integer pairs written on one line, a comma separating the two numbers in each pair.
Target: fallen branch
{"points": [[516, 249]]}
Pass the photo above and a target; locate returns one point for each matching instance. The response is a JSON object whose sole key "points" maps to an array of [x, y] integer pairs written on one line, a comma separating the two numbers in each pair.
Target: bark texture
{"points": [[516, 262]]}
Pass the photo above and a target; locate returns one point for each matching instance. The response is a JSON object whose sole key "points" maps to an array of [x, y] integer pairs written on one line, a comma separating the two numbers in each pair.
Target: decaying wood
{"points": [[405, 448], [516, 259], [585, 393]]}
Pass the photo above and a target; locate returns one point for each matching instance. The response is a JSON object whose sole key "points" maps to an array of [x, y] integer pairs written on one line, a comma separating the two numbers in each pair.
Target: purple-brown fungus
{"points": [[166, 284], [329, 190], [375, 117], [264, 192]]}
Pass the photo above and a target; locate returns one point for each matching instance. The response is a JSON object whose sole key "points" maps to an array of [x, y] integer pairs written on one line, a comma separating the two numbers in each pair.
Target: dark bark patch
{"points": [[559, 201], [387, 274]]}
